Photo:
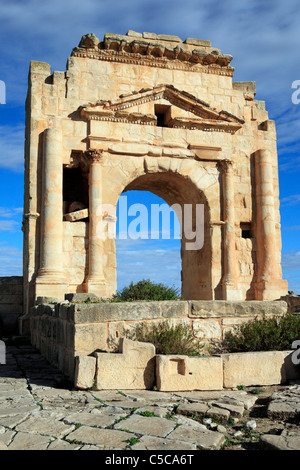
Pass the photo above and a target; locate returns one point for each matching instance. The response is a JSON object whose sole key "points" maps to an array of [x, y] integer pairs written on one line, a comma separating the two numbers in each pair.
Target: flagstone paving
{"points": [[40, 410]]}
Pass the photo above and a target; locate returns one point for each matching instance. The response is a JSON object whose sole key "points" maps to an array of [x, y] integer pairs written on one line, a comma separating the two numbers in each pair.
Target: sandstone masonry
{"points": [[149, 112]]}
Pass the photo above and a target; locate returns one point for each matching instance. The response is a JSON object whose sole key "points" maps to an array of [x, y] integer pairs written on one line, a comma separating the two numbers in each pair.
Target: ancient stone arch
{"points": [[147, 111]]}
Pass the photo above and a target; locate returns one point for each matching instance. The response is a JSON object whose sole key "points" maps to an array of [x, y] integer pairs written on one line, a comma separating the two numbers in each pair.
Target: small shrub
{"points": [[265, 334], [169, 339], [146, 290]]}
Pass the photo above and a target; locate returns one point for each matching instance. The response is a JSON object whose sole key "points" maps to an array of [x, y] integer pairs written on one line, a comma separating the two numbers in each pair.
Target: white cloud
{"points": [[8, 212], [12, 147], [291, 261], [10, 260], [9, 225], [146, 259], [290, 200]]}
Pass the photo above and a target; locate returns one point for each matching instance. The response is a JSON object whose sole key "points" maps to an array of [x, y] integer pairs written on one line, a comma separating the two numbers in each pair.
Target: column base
{"points": [[271, 290], [51, 288], [231, 293], [97, 287]]}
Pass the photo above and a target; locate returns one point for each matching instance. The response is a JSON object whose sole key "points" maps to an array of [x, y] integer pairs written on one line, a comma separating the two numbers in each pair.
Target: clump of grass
{"points": [[264, 334], [132, 441], [148, 414], [169, 339]]}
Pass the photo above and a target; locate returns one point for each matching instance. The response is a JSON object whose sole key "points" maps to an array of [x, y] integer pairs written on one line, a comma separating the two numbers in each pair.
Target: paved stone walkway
{"points": [[39, 410]]}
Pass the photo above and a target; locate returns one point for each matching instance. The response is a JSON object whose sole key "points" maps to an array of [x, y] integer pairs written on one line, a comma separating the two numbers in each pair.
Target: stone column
{"points": [[230, 278], [50, 279], [268, 281], [95, 282]]}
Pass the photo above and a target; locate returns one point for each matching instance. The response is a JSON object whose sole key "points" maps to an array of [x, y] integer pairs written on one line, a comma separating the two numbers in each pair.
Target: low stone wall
{"points": [[64, 330], [11, 304], [293, 302], [137, 367]]}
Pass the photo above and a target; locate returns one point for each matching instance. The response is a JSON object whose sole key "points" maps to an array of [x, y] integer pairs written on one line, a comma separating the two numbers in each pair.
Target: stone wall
{"points": [[65, 330], [11, 303], [293, 302]]}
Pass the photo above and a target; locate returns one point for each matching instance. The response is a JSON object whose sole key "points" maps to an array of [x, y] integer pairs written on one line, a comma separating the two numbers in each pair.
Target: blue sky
{"points": [[263, 38]]}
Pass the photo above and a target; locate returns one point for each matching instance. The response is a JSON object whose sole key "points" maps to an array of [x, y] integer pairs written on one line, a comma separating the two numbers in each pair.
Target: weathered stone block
{"points": [[90, 337], [85, 369], [224, 308], [77, 215], [133, 368], [132, 311], [254, 368], [175, 373]]}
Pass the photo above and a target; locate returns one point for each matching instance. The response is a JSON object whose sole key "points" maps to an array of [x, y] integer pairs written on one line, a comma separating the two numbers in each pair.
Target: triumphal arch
{"points": [[143, 111]]}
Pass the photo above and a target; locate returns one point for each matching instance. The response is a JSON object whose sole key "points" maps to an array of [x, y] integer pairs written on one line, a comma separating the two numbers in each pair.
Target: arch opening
{"points": [[193, 230]]}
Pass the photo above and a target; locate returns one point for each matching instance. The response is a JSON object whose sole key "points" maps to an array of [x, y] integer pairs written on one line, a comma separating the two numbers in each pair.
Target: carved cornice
{"points": [[154, 53], [204, 117]]}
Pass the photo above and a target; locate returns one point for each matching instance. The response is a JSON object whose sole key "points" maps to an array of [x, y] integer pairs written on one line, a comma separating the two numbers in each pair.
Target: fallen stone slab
{"points": [[157, 443], [16, 410], [27, 441], [181, 419], [151, 395], [152, 426], [237, 397], [234, 410], [158, 411], [285, 404], [106, 438], [282, 442], [6, 436], [59, 444], [13, 420], [278, 410], [218, 413], [193, 409], [91, 419], [203, 440], [77, 215], [45, 426]]}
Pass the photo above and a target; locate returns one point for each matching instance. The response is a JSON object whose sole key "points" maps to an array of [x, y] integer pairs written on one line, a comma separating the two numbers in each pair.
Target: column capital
{"points": [[226, 165], [94, 155]]}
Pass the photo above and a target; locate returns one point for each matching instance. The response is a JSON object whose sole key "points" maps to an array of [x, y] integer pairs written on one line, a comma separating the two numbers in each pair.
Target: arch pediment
{"points": [[188, 111]]}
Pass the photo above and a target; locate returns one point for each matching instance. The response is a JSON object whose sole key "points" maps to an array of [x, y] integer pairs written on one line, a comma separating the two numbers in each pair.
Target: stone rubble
{"points": [[40, 410]]}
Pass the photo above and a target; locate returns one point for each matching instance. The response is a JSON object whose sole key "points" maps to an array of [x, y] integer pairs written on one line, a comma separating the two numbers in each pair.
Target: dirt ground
{"points": [[249, 439]]}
